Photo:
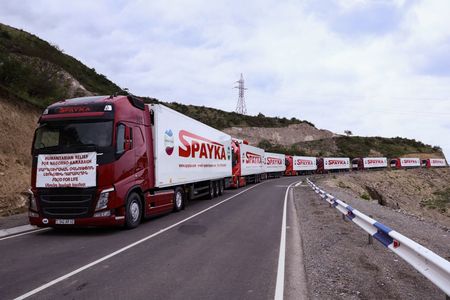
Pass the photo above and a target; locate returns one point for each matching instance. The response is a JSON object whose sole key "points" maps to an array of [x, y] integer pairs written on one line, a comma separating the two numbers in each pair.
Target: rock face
{"points": [[16, 136], [285, 136]]}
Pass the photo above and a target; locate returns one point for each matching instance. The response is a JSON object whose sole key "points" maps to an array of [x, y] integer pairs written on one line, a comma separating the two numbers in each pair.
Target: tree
{"points": [[348, 132]]}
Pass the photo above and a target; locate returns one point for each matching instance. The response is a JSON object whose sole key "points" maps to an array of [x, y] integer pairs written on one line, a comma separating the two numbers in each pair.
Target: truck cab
{"points": [[289, 166], [247, 164], [89, 156]]}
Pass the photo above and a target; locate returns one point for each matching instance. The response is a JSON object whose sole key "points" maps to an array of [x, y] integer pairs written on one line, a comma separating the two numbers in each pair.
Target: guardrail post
{"points": [[343, 217]]}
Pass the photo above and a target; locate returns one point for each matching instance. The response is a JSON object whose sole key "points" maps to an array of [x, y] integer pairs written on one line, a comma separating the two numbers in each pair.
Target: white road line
{"points": [[300, 182], [20, 234], [59, 279], [279, 288]]}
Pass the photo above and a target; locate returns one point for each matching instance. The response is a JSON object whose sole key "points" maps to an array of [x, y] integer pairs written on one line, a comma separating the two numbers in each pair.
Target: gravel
{"points": [[339, 262]]}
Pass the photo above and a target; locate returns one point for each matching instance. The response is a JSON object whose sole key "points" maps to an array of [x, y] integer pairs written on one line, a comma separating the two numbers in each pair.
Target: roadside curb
{"points": [[16, 230]]}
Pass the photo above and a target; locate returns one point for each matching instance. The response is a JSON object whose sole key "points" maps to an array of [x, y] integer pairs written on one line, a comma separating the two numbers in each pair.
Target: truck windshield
{"points": [[57, 136]]}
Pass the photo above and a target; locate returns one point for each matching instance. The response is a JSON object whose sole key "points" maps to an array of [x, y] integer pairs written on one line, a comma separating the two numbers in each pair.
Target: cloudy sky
{"points": [[375, 67]]}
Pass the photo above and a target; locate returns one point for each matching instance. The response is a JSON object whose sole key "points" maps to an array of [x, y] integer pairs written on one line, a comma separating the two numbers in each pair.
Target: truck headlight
{"points": [[32, 200], [103, 199]]}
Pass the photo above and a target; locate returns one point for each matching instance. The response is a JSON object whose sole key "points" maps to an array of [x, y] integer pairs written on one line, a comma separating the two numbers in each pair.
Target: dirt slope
{"points": [[18, 122], [424, 193]]}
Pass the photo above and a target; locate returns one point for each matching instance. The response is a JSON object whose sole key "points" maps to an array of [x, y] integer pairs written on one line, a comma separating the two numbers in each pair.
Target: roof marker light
{"points": [[108, 107]]}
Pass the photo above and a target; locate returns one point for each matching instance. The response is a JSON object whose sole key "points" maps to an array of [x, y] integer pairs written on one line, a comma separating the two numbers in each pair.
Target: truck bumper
{"points": [[109, 221]]}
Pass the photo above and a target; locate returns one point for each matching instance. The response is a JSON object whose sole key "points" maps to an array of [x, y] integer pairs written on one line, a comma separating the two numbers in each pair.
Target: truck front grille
{"points": [[66, 202]]}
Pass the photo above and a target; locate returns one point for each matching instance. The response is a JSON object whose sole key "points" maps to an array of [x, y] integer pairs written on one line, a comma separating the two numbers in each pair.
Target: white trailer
{"points": [[187, 151], [304, 163], [336, 163], [374, 162], [274, 164], [437, 162], [251, 160], [409, 162]]}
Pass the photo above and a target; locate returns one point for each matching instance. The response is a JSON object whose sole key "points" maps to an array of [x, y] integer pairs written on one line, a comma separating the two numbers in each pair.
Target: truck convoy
{"points": [[114, 160]]}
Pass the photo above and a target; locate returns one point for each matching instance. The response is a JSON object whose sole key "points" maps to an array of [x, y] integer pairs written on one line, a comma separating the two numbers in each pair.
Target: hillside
{"points": [[357, 146], [35, 71]]}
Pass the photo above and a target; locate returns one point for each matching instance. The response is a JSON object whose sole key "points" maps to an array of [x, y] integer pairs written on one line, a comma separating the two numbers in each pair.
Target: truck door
{"points": [[125, 163], [140, 154]]}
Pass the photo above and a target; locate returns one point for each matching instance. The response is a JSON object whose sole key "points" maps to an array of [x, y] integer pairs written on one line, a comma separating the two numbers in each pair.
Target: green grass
{"points": [[365, 196], [440, 201]]}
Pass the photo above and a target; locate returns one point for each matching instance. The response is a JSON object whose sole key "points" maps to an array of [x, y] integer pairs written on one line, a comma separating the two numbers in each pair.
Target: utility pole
{"points": [[240, 107]]}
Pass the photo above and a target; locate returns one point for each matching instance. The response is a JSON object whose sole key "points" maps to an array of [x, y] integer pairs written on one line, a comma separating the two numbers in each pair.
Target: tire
{"points": [[221, 187], [211, 190], [216, 188], [178, 199], [133, 211]]}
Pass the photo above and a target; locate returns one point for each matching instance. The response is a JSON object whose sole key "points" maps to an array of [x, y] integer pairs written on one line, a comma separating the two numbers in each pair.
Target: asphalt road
{"points": [[229, 251]]}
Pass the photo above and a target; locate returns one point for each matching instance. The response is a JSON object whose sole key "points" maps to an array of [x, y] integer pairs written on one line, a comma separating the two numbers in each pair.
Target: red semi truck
{"points": [[300, 165], [366, 163], [332, 164], [404, 163], [434, 163], [113, 160], [289, 166], [248, 164]]}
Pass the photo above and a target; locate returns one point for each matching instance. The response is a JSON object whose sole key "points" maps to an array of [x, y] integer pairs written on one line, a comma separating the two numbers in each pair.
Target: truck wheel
{"points": [[221, 187], [178, 199], [216, 188], [133, 211], [211, 190]]}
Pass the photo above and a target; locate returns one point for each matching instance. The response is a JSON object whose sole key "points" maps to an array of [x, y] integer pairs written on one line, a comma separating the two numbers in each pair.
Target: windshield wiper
{"points": [[83, 147]]}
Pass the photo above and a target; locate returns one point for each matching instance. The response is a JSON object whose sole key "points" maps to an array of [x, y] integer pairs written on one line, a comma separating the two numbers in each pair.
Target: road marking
{"points": [[297, 184], [68, 275], [279, 288], [20, 234]]}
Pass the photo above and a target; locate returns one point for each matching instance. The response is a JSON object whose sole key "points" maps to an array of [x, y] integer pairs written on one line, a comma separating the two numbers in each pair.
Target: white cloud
{"points": [[336, 65]]}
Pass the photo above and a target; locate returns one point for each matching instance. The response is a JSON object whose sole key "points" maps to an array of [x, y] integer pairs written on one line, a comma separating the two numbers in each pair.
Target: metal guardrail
{"points": [[431, 265]]}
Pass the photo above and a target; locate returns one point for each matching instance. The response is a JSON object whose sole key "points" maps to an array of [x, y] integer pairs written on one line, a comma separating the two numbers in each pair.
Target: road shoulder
{"points": [[296, 281]]}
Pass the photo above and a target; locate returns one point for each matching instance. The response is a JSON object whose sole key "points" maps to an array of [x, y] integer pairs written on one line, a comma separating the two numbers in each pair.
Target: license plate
{"points": [[65, 221]]}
